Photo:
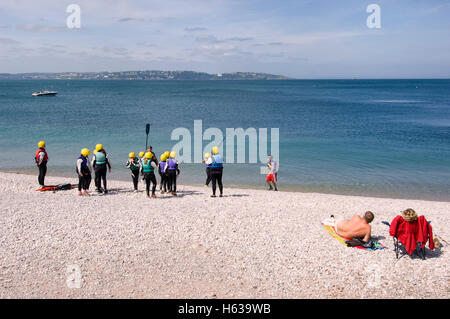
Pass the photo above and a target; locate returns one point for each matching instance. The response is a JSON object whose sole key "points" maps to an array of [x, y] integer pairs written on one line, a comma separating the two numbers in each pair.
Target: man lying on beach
{"points": [[357, 227]]}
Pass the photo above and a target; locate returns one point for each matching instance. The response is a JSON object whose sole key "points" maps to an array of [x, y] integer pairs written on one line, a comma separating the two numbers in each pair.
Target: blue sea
{"points": [[386, 138]]}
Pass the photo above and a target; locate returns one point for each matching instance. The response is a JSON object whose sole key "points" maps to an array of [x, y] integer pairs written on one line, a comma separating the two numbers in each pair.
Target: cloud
{"points": [[436, 8], [41, 28], [213, 39], [194, 29], [127, 19], [255, 33], [319, 37], [239, 39], [50, 50], [146, 44], [207, 39], [111, 50], [131, 19], [51, 45], [8, 41], [275, 43], [215, 51]]}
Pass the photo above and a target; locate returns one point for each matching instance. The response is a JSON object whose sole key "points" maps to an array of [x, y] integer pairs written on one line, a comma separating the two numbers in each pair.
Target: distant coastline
{"points": [[145, 75]]}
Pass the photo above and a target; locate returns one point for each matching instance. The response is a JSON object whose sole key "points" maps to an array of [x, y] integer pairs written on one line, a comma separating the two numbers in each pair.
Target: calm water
{"points": [[368, 137]]}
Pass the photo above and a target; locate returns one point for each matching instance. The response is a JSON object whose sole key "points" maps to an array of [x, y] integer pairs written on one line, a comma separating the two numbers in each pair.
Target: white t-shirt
{"points": [[273, 167]]}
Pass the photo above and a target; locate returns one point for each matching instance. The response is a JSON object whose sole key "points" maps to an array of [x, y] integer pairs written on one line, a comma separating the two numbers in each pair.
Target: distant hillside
{"points": [[146, 75]]}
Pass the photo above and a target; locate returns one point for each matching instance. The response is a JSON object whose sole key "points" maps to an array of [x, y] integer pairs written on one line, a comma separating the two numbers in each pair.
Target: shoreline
{"points": [[291, 188], [248, 244]]}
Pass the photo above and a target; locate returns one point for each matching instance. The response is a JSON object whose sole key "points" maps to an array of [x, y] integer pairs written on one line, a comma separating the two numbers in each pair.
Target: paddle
{"points": [[147, 130]]}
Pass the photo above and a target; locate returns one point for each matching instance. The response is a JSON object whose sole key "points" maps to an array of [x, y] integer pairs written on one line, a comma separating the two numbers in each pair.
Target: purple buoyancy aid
{"points": [[171, 164], [84, 163]]}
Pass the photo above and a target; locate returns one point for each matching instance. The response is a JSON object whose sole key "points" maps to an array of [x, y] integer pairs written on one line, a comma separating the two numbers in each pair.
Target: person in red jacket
{"points": [[410, 229]]}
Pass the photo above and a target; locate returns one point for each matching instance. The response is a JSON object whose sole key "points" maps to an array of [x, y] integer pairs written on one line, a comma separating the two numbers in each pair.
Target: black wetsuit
{"points": [[172, 179], [84, 181], [216, 177], [164, 179], [208, 175], [42, 167], [42, 172], [135, 178], [134, 172], [150, 178], [100, 174]]}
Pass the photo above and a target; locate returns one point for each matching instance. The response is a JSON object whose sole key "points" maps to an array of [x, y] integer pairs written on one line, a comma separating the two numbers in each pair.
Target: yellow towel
{"points": [[330, 230]]}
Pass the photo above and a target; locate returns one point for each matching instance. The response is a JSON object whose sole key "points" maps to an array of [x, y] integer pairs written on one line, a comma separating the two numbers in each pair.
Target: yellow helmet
{"points": [[207, 155], [173, 154], [85, 152], [148, 155], [98, 147], [163, 157], [141, 154], [41, 144], [167, 154], [215, 150], [132, 155]]}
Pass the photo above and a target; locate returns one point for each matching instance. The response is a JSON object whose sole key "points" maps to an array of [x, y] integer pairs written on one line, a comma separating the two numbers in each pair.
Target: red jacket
{"points": [[409, 233], [39, 150]]}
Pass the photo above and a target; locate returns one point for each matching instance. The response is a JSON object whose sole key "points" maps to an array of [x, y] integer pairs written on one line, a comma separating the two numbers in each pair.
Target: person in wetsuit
{"points": [[147, 169], [134, 164], [41, 159], [100, 163], [84, 172], [208, 160], [172, 171], [163, 175], [216, 171]]}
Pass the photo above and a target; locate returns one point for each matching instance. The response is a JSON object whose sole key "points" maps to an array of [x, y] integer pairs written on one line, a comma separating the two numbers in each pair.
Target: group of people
{"points": [[143, 165], [168, 170], [100, 163]]}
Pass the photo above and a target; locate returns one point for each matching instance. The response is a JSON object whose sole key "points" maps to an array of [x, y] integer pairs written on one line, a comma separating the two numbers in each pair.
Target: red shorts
{"points": [[269, 178]]}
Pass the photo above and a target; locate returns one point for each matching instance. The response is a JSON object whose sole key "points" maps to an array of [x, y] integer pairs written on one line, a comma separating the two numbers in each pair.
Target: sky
{"points": [[295, 38]]}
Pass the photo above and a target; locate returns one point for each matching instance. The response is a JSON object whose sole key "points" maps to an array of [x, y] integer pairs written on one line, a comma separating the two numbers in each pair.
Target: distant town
{"points": [[145, 75]]}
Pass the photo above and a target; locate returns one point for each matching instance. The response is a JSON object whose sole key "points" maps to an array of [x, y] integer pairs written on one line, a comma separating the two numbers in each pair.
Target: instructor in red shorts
{"points": [[272, 175]]}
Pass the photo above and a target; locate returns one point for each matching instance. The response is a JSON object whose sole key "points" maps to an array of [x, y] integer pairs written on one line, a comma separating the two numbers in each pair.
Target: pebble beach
{"points": [[248, 244]]}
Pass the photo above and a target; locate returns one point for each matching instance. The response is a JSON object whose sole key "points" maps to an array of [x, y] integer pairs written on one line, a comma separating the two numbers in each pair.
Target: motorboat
{"points": [[41, 93]]}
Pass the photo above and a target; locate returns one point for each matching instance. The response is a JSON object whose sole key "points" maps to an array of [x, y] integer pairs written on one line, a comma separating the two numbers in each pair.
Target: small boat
{"points": [[40, 93]]}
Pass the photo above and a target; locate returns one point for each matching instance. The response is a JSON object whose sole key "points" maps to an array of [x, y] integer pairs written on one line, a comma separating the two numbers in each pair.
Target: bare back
{"points": [[356, 227]]}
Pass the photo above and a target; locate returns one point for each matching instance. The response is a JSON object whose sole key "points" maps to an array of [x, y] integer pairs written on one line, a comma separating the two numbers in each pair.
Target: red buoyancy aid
{"points": [[37, 155]]}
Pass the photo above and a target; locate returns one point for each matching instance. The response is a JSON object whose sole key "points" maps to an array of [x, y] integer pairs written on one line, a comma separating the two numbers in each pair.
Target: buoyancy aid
{"points": [[100, 158], [171, 164], [147, 168], [36, 158], [217, 161]]}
